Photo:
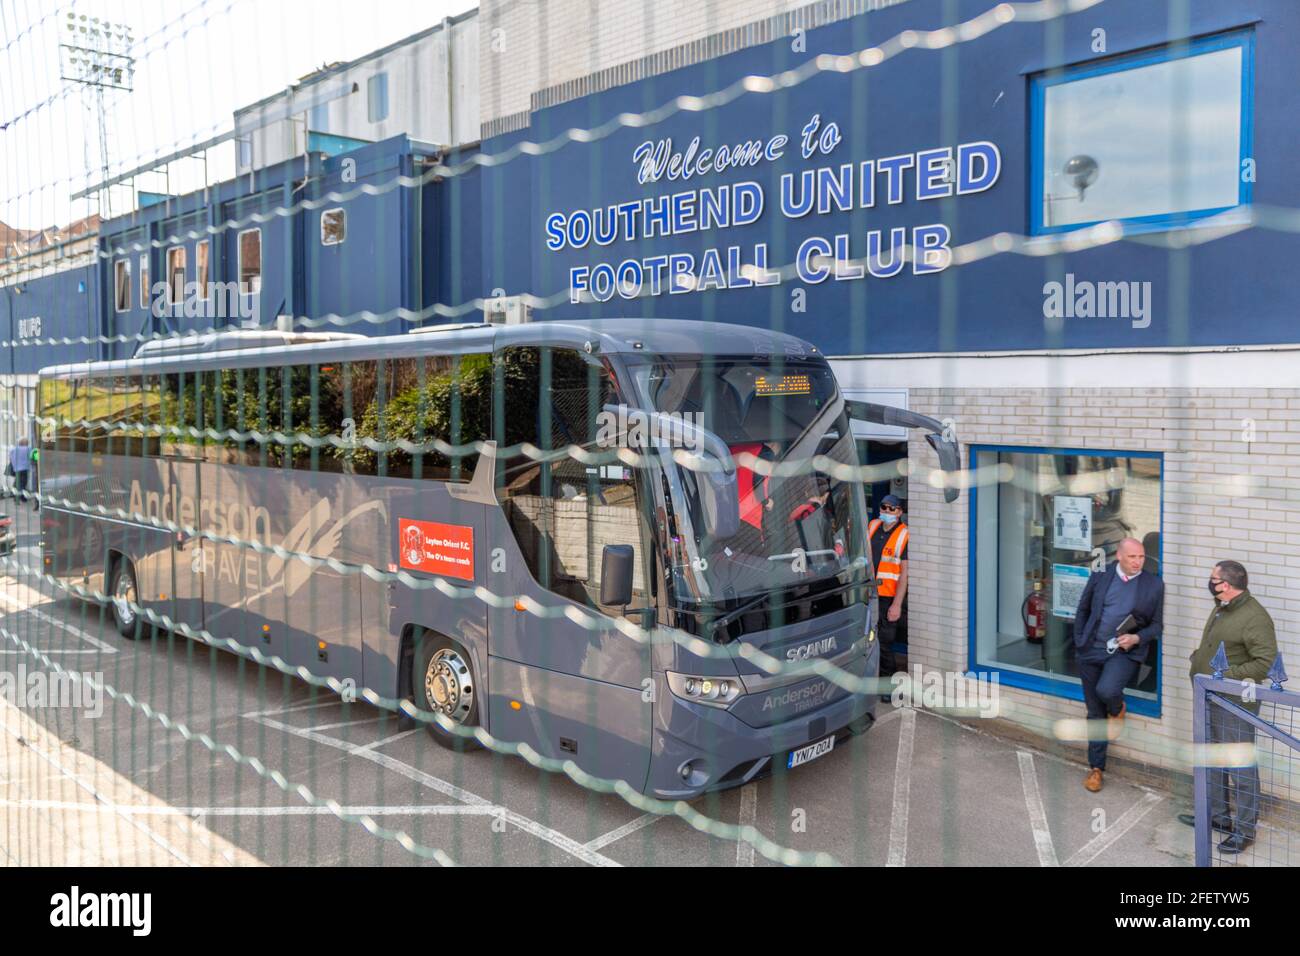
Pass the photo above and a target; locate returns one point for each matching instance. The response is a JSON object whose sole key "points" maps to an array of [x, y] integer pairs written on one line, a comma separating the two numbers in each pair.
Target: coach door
{"points": [[580, 690], [181, 414]]}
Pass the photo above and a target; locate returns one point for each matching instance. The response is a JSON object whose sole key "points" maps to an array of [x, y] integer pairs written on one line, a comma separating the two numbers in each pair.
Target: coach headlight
{"points": [[714, 691]]}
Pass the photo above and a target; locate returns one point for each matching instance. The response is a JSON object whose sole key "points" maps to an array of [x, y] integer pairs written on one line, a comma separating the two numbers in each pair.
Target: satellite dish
{"points": [[1082, 172]]}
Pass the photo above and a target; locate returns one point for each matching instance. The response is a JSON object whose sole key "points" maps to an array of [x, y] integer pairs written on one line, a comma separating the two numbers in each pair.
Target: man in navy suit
{"points": [[1106, 668]]}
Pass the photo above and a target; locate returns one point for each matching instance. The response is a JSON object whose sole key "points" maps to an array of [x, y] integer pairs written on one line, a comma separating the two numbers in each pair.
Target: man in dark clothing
{"points": [[1108, 656], [1245, 629]]}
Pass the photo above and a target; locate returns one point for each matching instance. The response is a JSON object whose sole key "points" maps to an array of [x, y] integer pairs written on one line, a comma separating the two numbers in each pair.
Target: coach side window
{"points": [[562, 510], [180, 416], [47, 427], [442, 404], [130, 410], [99, 414], [236, 411]]}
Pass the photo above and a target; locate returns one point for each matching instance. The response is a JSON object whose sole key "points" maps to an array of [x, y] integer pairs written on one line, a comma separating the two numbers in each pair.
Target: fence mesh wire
{"points": [[364, 606]]}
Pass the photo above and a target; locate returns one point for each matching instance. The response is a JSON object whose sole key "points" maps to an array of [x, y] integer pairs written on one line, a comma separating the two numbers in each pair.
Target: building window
{"points": [[144, 281], [122, 284], [201, 267], [333, 227], [1152, 139], [250, 261], [176, 275], [377, 98], [1051, 518], [245, 147]]}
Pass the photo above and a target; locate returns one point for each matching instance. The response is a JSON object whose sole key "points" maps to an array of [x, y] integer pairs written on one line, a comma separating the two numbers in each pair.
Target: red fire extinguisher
{"points": [[1034, 613]]}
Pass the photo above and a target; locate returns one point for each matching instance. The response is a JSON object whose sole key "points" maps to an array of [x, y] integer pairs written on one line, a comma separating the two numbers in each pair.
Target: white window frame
{"points": [[119, 266], [341, 239], [205, 280], [239, 260], [145, 295], [171, 273]]}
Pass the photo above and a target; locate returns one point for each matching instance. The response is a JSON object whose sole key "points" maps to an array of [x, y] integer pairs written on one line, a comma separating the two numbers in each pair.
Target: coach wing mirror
{"points": [[945, 447], [719, 501], [616, 566]]}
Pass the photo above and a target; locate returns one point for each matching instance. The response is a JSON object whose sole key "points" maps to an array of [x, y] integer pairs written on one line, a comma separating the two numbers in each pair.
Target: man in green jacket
{"points": [[1245, 630]]}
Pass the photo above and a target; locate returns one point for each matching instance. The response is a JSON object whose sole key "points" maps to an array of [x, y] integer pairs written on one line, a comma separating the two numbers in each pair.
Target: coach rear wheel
{"points": [[125, 600], [445, 684]]}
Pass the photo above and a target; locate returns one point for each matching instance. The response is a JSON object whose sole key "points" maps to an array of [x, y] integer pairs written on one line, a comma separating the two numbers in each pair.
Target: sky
{"points": [[197, 61]]}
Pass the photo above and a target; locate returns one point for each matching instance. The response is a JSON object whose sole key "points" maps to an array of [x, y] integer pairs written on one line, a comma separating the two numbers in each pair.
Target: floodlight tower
{"points": [[96, 56]]}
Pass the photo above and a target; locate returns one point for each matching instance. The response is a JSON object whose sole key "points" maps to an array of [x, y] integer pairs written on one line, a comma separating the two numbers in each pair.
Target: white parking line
{"points": [[613, 836], [353, 723], [305, 810], [71, 629], [1128, 819], [1037, 813], [902, 791], [89, 789], [518, 820], [389, 739], [323, 702], [748, 814], [19, 652]]}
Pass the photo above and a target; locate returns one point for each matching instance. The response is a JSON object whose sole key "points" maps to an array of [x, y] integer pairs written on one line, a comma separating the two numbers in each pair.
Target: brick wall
{"points": [[568, 519], [1224, 497]]}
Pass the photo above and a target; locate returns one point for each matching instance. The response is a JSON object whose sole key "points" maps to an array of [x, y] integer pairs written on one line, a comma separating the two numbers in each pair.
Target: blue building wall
{"points": [[1238, 289], [454, 239], [376, 269], [37, 315]]}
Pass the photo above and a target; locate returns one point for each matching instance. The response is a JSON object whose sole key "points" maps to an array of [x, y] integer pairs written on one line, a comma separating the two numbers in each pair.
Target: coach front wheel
{"points": [[444, 683]]}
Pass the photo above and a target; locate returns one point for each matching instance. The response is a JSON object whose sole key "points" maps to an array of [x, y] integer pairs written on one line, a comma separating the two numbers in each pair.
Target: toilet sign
{"points": [[1072, 523]]}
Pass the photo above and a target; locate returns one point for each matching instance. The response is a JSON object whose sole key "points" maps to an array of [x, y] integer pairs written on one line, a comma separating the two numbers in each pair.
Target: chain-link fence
{"points": [[442, 435]]}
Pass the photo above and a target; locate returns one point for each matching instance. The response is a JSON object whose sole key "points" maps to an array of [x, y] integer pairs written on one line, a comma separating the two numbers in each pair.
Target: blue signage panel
{"points": [[888, 208]]}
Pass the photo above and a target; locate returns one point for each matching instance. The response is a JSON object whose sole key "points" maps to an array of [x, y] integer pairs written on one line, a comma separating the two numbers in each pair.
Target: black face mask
{"points": [[1214, 588]]}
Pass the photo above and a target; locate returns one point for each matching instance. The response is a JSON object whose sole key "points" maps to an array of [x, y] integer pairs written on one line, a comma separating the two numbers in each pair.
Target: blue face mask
{"points": [[888, 519]]}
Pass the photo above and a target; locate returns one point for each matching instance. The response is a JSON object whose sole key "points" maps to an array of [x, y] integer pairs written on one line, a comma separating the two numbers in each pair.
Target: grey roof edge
{"points": [[656, 336]]}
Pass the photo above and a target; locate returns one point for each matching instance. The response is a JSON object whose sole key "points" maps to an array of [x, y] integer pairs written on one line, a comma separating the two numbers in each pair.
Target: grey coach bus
{"points": [[490, 479]]}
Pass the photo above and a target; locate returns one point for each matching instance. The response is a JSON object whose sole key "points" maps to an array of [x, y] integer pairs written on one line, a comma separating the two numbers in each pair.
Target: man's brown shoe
{"points": [[1115, 725], [1092, 782]]}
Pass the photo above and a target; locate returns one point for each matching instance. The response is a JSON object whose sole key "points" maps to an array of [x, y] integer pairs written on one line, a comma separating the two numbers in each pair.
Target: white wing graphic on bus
{"points": [[316, 516], [297, 572], [291, 573]]}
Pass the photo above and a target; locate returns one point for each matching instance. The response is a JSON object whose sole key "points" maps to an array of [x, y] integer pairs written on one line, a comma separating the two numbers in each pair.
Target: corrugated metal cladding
{"points": [[697, 51]]}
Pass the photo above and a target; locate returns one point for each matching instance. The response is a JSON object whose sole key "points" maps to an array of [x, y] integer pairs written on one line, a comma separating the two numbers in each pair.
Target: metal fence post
{"points": [[1200, 776]]}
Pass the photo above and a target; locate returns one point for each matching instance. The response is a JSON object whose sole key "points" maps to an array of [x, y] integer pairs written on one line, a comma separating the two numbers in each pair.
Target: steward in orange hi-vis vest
{"points": [[891, 562]]}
